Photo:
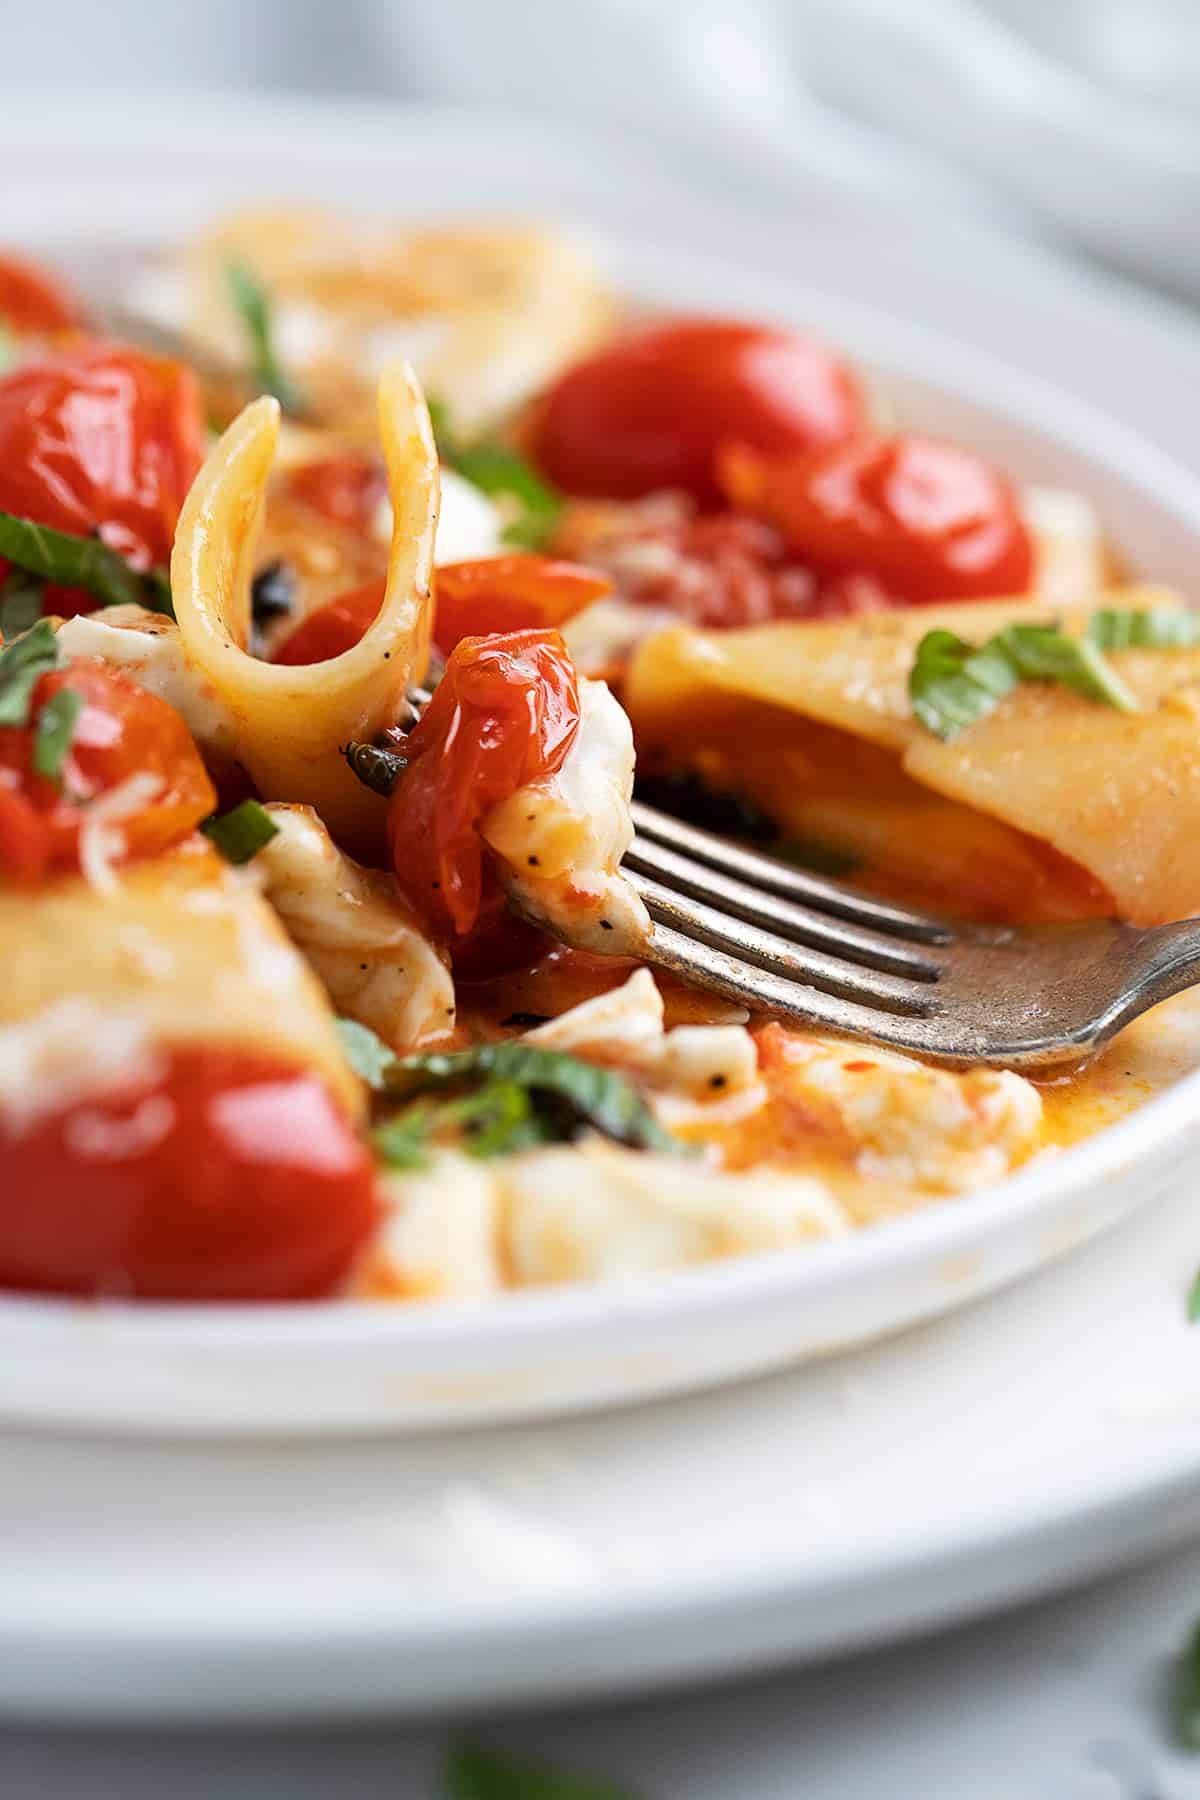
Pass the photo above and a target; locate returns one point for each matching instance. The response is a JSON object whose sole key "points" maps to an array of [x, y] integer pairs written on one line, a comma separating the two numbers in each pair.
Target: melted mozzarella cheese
{"points": [[625, 1028], [468, 526], [579, 1212], [913, 1126], [357, 931], [560, 841], [149, 649]]}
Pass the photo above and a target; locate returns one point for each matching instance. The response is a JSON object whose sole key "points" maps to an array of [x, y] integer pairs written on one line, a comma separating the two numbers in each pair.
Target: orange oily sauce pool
{"points": [[776, 1124]]}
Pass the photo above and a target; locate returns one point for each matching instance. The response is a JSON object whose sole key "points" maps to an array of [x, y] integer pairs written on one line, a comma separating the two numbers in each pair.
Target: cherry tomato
{"points": [[101, 439], [651, 410], [333, 628], [926, 519], [346, 489], [510, 593], [505, 713], [33, 301], [121, 731], [221, 1176]]}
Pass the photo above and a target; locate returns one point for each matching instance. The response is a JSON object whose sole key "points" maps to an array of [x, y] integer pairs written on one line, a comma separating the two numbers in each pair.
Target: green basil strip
{"points": [[1185, 1694], [81, 562], [22, 665], [502, 474], [367, 1054], [1044, 653], [254, 310], [1152, 628], [241, 832], [403, 1143], [566, 1092], [1193, 1300], [8, 353], [473, 1773], [20, 603], [953, 685], [54, 731]]}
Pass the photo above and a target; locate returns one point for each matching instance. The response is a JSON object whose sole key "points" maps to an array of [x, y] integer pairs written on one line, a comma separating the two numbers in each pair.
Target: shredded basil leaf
{"points": [[254, 310], [20, 603], [8, 352], [367, 1054], [22, 665], [1044, 653], [473, 1773], [1185, 1694], [403, 1143], [502, 474], [953, 684], [520, 1095], [1151, 628], [53, 733], [81, 562], [497, 1120], [566, 1093], [1193, 1300], [240, 833]]}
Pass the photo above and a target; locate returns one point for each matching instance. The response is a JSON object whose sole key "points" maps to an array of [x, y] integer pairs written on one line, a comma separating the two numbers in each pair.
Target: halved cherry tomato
{"points": [[121, 731], [505, 713], [510, 593], [96, 438], [346, 488], [929, 521], [224, 1175], [33, 301], [651, 410], [333, 628]]}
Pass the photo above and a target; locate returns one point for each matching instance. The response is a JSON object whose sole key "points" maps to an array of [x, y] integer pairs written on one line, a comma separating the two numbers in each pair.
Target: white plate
{"points": [[342, 1368], [1035, 1437]]}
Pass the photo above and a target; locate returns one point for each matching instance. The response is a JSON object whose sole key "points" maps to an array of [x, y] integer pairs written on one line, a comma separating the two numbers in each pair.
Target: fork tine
{"points": [[720, 973], [799, 924], [776, 957], [781, 878]]}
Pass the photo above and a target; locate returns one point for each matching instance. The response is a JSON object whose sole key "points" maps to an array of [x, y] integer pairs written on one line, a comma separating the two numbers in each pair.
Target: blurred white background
{"points": [[1078, 118], [1076, 121]]}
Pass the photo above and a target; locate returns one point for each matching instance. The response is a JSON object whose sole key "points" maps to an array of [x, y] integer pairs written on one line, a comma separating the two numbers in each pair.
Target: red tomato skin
{"points": [[224, 1176], [651, 410], [99, 438], [121, 731], [33, 301], [505, 713], [334, 628], [346, 489], [510, 593], [926, 519]]}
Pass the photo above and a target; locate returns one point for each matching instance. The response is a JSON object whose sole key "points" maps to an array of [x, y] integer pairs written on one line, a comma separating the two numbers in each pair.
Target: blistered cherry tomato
{"points": [[346, 488], [510, 593], [222, 1175], [334, 627], [505, 713], [926, 519], [121, 732], [96, 438], [33, 301], [651, 410]]}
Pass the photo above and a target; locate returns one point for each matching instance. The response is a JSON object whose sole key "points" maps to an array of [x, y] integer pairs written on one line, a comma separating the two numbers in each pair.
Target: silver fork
{"points": [[799, 946], [818, 953]]}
